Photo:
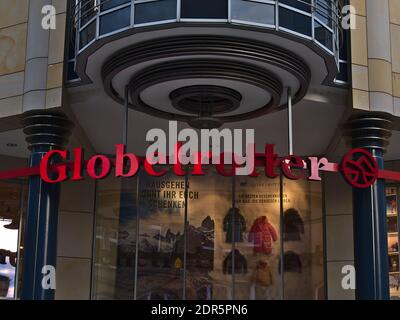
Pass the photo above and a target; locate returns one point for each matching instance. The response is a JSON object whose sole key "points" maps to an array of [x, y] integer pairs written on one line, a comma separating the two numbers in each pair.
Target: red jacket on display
{"points": [[262, 233]]}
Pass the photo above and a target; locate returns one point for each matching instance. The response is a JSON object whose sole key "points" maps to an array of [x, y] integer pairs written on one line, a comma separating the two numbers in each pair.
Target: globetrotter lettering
{"points": [[223, 150], [125, 165]]}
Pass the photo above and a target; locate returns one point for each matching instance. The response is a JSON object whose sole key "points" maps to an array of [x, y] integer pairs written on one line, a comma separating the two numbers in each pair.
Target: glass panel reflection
{"points": [[87, 35], [304, 5], [161, 242], [294, 21], [209, 238], [115, 20], [87, 11], [258, 201], [205, 9], [115, 239], [323, 36], [253, 12], [303, 267], [155, 11], [11, 206], [229, 248], [109, 4]]}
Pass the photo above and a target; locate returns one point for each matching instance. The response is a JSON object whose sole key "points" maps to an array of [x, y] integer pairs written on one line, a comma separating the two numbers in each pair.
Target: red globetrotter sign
{"points": [[360, 168]]}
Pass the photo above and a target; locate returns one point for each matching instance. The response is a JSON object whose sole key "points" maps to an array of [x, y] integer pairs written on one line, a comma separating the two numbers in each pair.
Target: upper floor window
{"points": [[205, 9]]}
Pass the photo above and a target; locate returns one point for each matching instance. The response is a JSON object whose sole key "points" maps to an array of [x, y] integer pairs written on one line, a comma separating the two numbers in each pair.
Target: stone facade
{"points": [[23, 86], [375, 56]]}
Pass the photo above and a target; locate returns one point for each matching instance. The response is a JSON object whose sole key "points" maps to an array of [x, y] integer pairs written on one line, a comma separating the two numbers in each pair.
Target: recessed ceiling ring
{"points": [[206, 57], [205, 69]]}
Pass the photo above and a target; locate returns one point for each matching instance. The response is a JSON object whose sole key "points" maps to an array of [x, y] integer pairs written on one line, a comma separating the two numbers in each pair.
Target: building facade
{"points": [[301, 74]]}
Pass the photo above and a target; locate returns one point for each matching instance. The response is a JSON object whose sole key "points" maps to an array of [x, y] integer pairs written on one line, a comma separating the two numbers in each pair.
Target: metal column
{"points": [[44, 131], [371, 132]]}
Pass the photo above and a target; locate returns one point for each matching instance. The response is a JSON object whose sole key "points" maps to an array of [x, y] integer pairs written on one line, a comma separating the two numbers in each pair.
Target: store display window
{"points": [[208, 238], [392, 218], [12, 204]]}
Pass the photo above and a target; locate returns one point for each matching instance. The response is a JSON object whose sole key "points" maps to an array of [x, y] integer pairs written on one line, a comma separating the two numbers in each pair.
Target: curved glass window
{"points": [[317, 20], [303, 5], [86, 11], [253, 12], [324, 12], [87, 35], [161, 10], [115, 20], [295, 21], [204, 9], [323, 36], [106, 5]]}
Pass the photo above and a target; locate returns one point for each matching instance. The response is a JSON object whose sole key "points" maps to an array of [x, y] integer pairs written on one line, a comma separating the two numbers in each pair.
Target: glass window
{"points": [[323, 36], [253, 12], [205, 9], [115, 20], [324, 12], [115, 239], [210, 240], [392, 216], [294, 21], [109, 4], [87, 35], [226, 242], [12, 202], [303, 262], [155, 11], [304, 5], [87, 11], [161, 240], [258, 202]]}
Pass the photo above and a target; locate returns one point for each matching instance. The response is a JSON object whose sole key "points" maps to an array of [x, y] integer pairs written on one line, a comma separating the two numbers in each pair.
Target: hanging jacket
{"points": [[293, 225], [240, 263], [234, 225], [3, 256], [4, 286], [291, 262], [261, 234], [262, 275]]}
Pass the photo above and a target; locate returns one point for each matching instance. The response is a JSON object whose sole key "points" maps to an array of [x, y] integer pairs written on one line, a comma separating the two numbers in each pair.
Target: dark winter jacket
{"points": [[293, 225], [291, 262], [240, 263], [261, 234], [2, 258], [234, 226], [208, 224]]}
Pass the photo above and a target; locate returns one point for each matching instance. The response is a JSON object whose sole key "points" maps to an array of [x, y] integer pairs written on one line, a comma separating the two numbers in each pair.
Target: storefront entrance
{"points": [[208, 237]]}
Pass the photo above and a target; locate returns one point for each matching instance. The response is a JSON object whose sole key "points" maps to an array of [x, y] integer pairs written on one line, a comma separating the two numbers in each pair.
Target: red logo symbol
{"points": [[360, 168]]}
